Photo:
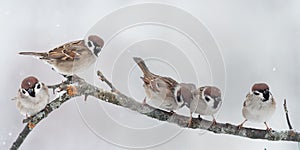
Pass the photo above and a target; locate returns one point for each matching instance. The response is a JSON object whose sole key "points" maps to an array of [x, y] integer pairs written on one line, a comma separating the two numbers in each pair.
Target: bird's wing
{"points": [[247, 100], [68, 52], [186, 90]]}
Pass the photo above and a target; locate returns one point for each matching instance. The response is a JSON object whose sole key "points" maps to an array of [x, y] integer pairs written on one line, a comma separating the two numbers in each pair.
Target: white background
{"points": [[259, 41]]}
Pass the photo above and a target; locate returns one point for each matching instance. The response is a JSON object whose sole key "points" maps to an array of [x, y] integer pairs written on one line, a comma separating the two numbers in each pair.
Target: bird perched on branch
{"points": [[206, 100], [72, 57], [32, 96], [259, 105], [164, 92]]}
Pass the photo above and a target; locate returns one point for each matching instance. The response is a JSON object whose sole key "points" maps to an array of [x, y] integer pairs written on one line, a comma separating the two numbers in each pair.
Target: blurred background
{"points": [[230, 44]]}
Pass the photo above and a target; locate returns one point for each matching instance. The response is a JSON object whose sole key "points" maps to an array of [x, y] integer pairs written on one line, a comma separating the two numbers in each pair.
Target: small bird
{"points": [[72, 57], [164, 92], [259, 105], [206, 100], [32, 97]]}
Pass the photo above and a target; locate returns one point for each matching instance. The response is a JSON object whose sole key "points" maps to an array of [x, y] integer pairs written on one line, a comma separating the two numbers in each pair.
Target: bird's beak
{"points": [[266, 96], [97, 50], [31, 92], [217, 102]]}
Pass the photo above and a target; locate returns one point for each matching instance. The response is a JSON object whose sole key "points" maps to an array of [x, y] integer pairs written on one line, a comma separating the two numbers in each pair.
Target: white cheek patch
{"points": [[36, 89], [24, 92], [90, 45], [260, 95], [177, 92], [211, 103], [178, 96]]}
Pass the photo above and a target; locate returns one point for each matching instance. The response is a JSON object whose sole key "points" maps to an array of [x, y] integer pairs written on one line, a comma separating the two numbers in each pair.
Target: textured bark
{"points": [[85, 89]]}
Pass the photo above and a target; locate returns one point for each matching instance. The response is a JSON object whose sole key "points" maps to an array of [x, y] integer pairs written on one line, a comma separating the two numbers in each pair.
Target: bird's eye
{"points": [[23, 91], [207, 98], [256, 92], [38, 86]]}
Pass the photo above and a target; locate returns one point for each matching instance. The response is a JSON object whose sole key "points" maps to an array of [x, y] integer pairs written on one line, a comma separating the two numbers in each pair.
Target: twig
{"points": [[287, 115], [83, 88], [103, 79]]}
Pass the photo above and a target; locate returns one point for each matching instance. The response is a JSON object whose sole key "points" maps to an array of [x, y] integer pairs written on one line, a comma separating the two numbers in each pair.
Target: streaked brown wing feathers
{"points": [[66, 52]]}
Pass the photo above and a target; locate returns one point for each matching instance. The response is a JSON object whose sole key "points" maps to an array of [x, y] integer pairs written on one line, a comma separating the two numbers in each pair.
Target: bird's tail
{"points": [[140, 62], [35, 54]]}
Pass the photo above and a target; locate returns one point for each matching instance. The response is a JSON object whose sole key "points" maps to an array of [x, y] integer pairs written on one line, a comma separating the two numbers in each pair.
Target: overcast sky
{"points": [[230, 44]]}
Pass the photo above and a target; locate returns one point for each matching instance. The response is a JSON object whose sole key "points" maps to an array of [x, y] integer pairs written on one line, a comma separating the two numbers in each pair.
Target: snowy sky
{"points": [[230, 44]]}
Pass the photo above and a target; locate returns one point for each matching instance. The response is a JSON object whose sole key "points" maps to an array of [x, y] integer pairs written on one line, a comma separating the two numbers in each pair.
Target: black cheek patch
{"points": [[178, 97], [89, 43], [23, 91]]}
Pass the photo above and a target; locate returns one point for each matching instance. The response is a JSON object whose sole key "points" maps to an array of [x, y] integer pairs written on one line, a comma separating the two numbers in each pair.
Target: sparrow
{"points": [[206, 100], [72, 57], [164, 92], [259, 105], [32, 97]]}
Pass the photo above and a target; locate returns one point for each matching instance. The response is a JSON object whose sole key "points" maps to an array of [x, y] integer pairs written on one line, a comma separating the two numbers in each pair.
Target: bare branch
{"points": [[287, 115], [85, 89], [103, 79]]}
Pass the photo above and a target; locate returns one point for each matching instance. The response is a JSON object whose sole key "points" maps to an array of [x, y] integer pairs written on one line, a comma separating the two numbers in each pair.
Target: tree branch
{"points": [[287, 115], [83, 88], [103, 79]]}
